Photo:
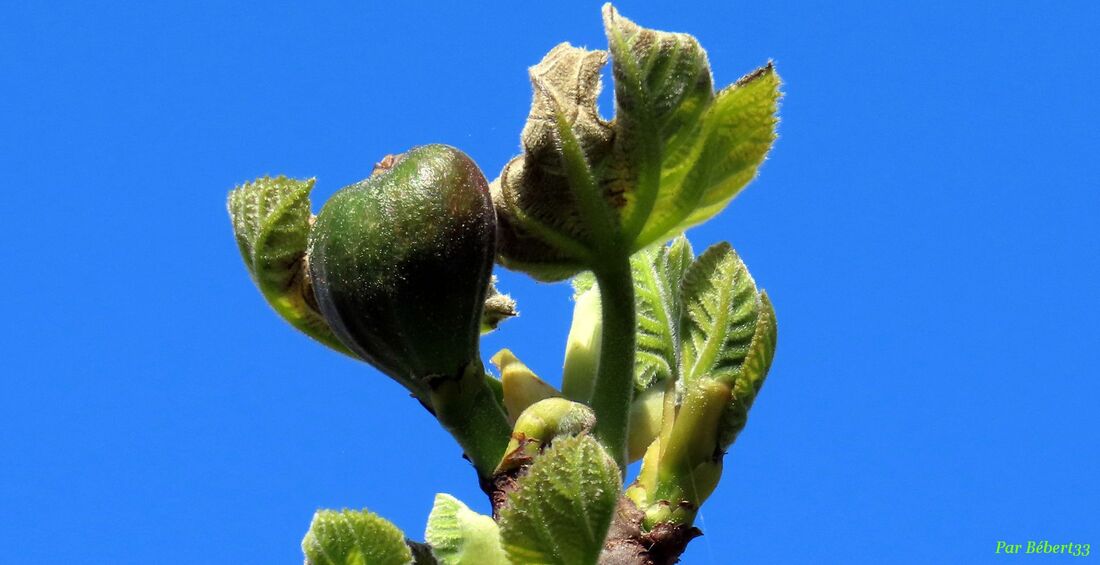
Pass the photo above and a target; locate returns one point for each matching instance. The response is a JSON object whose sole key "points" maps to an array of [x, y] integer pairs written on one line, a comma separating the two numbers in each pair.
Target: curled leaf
{"points": [[542, 229], [348, 537], [460, 536], [674, 155], [750, 377], [658, 273], [271, 221]]}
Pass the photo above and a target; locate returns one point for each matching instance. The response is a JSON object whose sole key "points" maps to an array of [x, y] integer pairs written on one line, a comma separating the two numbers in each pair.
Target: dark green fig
{"points": [[401, 263]]}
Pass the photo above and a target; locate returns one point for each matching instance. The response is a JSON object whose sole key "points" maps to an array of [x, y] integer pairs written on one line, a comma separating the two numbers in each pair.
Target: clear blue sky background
{"points": [[926, 225]]}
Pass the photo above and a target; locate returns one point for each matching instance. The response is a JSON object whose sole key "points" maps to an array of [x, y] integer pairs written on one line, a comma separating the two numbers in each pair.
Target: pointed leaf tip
{"points": [[271, 221], [674, 155]]}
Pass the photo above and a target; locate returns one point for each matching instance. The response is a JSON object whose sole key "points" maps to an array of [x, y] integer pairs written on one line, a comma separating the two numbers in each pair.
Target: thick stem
{"points": [[468, 408], [628, 543], [614, 386]]}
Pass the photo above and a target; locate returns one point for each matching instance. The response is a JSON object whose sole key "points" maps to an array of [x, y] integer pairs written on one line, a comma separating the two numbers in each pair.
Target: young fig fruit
{"points": [[401, 264]]}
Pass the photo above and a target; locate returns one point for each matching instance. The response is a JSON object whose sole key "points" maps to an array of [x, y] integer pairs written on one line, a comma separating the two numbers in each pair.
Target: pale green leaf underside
{"points": [[662, 85], [271, 221], [563, 507], [347, 537], [460, 536], [657, 276]]}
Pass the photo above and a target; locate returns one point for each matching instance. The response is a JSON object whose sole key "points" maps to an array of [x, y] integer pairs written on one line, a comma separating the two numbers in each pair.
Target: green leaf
{"points": [[271, 220], [348, 537], [720, 302], [674, 155], [739, 129], [562, 508], [753, 371], [662, 86], [460, 536], [657, 274]]}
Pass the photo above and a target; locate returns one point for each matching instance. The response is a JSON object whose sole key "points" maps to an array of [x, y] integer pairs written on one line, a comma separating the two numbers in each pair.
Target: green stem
{"points": [[469, 409], [614, 386]]}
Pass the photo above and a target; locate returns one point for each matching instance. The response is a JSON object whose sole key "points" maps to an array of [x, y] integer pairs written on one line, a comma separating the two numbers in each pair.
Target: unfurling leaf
{"points": [[347, 537], [460, 536], [541, 225], [724, 346], [271, 220], [658, 273], [730, 332], [675, 154], [562, 508]]}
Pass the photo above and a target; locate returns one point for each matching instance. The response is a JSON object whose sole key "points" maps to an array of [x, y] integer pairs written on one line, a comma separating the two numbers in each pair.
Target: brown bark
{"points": [[628, 544]]}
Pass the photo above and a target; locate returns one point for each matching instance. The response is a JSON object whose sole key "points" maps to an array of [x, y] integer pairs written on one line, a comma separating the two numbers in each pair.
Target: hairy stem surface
{"points": [[614, 386], [467, 407]]}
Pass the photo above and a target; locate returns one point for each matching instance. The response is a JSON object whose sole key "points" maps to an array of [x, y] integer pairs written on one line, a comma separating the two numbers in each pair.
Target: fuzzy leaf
{"points": [[738, 131], [720, 302], [657, 274], [753, 371], [562, 508], [460, 536], [683, 151], [347, 537], [674, 155], [542, 230], [271, 220], [662, 86]]}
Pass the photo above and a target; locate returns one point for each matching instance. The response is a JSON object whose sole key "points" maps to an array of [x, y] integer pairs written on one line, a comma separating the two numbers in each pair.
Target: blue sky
{"points": [[926, 226]]}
